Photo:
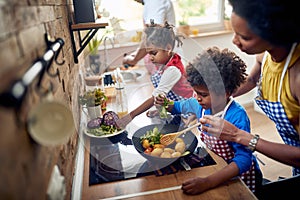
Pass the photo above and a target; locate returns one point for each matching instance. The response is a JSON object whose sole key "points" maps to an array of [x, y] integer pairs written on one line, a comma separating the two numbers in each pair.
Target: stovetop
{"points": [[115, 158]]}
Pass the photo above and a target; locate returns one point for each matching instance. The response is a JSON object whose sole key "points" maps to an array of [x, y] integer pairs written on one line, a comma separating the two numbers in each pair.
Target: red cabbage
{"points": [[95, 123], [110, 118]]}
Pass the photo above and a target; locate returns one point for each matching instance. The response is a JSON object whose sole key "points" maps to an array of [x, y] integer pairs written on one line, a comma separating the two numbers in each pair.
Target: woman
{"points": [[271, 30]]}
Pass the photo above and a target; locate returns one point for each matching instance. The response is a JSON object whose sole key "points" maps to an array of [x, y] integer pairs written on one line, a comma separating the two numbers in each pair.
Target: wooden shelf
{"points": [[83, 42], [87, 26]]}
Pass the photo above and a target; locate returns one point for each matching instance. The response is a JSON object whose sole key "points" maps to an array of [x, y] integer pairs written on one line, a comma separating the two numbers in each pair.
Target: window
{"points": [[204, 15], [129, 12]]}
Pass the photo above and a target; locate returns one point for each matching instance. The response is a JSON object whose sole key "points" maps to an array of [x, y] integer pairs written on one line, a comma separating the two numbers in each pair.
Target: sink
{"points": [[132, 75]]}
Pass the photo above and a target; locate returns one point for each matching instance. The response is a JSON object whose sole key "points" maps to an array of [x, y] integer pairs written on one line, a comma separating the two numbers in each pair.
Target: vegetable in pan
{"points": [[152, 146], [151, 138]]}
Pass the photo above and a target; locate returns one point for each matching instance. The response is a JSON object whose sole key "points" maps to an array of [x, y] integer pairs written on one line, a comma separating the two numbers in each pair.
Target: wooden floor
{"points": [[262, 125]]}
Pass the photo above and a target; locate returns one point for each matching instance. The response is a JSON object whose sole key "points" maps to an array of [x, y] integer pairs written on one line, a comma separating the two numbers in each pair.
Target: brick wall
{"points": [[26, 166]]}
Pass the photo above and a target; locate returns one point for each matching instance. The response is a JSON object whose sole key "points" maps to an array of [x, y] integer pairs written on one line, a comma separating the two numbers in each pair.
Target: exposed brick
{"points": [[7, 24], [46, 13], [25, 165], [11, 53], [32, 38], [25, 16]]}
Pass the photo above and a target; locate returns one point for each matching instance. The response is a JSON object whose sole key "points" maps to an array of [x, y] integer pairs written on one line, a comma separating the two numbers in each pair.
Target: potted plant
{"points": [[184, 27], [94, 45], [95, 101], [227, 22], [94, 56]]}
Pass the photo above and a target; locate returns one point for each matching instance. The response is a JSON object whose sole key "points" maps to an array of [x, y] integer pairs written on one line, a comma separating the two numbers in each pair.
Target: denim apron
{"points": [[223, 149], [275, 111]]}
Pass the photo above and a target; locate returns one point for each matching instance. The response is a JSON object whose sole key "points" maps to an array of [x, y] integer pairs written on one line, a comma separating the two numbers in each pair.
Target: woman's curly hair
{"points": [[161, 35], [218, 70]]}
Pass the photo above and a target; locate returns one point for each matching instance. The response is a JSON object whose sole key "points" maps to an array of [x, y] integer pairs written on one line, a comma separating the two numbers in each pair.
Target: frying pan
{"points": [[189, 139]]}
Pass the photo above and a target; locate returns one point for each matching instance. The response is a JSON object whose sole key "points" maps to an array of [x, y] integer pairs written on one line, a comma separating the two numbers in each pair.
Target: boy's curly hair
{"points": [[207, 68], [161, 35]]}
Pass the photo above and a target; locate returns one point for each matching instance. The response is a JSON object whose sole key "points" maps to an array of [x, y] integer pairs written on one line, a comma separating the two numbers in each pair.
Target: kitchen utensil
{"points": [[50, 123], [169, 138], [189, 139], [185, 165]]}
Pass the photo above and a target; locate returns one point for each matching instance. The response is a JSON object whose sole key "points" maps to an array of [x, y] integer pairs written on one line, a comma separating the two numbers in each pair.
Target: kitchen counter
{"points": [[163, 187], [152, 186]]}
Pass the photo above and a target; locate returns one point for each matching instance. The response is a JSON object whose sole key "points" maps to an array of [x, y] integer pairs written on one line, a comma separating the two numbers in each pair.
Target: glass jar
{"points": [[121, 100]]}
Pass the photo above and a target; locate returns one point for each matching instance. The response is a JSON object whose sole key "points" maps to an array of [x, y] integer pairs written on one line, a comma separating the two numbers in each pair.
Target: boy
{"points": [[215, 74]]}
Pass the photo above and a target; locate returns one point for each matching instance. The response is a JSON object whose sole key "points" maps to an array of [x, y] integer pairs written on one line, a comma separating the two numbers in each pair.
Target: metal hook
{"points": [[55, 47], [58, 51], [55, 58], [52, 74]]}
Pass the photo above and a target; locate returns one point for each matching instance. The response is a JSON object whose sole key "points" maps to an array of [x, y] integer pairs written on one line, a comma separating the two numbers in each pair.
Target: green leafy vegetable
{"points": [[153, 136], [103, 130], [163, 112]]}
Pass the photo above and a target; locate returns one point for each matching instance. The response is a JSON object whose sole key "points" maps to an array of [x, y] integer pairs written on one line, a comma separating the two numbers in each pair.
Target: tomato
{"points": [[148, 150]]}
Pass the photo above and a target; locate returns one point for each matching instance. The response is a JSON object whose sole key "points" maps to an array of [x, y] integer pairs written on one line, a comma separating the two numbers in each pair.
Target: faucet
{"points": [[105, 50]]}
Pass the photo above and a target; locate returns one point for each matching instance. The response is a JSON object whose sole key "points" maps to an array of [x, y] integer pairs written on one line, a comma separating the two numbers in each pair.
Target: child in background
{"points": [[170, 78], [215, 74], [159, 11]]}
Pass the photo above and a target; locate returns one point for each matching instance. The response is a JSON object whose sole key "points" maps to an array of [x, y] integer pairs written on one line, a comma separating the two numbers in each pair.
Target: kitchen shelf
{"points": [[83, 42]]}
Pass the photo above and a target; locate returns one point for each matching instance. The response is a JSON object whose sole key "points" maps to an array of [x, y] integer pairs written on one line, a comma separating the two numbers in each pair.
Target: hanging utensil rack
{"points": [[14, 96]]}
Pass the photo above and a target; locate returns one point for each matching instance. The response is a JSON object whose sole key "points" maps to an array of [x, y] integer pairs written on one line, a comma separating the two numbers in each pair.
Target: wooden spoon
{"points": [[169, 138]]}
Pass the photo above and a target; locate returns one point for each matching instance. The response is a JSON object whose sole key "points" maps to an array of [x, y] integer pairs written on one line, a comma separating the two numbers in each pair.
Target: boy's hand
{"points": [[162, 103]]}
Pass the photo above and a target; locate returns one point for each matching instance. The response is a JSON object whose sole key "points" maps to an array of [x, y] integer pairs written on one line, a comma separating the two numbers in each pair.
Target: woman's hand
{"points": [[219, 127]]}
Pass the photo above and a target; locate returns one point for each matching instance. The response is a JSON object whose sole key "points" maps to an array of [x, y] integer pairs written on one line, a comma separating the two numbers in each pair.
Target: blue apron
{"points": [[275, 111]]}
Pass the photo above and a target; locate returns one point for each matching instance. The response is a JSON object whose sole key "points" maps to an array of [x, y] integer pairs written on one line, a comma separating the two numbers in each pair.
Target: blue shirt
{"points": [[236, 115]]}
